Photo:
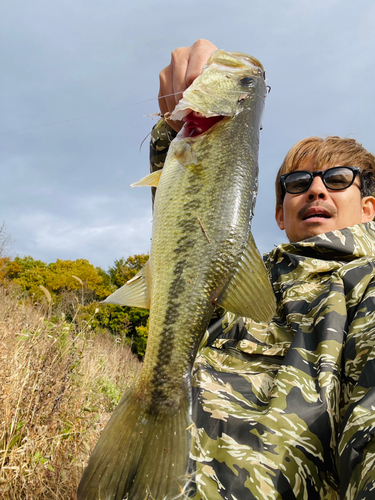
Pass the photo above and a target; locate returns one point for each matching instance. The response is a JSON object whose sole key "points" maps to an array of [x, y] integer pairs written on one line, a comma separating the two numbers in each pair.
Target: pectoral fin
{"points": [[150, 180], [134, 293], [249, 292]]}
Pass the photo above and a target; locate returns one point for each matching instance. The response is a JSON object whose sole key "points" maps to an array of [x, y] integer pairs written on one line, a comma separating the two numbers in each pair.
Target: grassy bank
{"points": [[59, 383]]}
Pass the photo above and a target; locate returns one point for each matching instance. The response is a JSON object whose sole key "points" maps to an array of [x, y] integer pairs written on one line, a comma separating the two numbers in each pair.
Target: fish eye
{"points": [[247, 81]]}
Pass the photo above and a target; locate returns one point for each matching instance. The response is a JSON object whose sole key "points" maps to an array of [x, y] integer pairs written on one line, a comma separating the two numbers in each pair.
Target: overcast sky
{"points": [[79, 79]]}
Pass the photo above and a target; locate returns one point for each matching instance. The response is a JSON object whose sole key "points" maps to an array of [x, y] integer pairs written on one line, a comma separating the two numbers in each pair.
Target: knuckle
{"points": [[202, 42], [162, 77], [177, 54]]}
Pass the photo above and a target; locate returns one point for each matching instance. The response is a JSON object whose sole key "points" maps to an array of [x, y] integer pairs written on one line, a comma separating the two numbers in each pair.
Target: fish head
{"points": [[229, 84]]}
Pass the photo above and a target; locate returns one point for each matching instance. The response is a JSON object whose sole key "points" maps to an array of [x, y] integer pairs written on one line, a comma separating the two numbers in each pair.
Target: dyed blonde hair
{"points": [[334, 151]]}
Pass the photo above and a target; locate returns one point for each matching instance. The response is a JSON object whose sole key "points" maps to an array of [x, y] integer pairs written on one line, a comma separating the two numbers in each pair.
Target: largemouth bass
{"points": [[202, 254]]}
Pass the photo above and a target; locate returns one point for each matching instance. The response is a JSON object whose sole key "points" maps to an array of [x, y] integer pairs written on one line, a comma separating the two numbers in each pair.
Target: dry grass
{"points": [[58, 385]]}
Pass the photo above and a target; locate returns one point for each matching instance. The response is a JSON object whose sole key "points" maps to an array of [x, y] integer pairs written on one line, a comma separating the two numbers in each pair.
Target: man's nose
{"points": [[317, 190]]}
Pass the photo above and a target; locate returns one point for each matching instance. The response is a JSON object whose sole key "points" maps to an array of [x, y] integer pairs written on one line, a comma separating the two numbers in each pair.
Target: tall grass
{"points": [[59, 383]]}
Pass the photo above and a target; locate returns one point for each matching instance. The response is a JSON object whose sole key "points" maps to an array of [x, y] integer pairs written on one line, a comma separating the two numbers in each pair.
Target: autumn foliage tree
{"points": [[77, 288], [125, 269], [89, 282], [5, 247]]}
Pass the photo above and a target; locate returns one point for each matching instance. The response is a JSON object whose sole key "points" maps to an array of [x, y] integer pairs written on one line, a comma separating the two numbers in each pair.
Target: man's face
{"points": [[319, 209]]}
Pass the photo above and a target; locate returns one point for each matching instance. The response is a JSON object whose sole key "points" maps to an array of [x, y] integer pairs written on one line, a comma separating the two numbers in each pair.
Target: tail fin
{"points": [[139, 456]]}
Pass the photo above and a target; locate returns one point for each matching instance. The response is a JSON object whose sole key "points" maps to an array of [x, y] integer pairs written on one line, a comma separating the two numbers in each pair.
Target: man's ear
{"points": [[279, 216], [368, 208]]}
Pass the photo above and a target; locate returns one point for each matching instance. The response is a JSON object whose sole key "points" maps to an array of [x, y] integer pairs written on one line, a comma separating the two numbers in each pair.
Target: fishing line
{"points": [[85, 117]]}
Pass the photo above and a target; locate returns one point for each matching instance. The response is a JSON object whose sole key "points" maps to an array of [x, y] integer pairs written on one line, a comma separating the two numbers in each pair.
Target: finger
{"points": [[172, 83], [172, 79], [186, 64], [166, 102], [200, 52], [179, 63], [166, 97]]}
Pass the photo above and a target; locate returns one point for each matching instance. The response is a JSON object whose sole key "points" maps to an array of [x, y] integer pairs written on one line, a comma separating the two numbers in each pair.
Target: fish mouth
{"points": [[196, 124]]}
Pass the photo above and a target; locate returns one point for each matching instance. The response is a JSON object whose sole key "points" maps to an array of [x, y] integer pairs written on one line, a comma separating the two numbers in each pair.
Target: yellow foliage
{"points": [[30, 275]]}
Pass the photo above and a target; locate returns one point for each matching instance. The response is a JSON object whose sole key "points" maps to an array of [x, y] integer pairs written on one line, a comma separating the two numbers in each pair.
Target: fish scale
{"points": [[202, 255]]}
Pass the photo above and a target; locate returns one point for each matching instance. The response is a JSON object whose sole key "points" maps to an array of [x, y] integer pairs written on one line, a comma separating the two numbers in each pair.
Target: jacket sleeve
{"points": [[161, 137], [356, 438]]}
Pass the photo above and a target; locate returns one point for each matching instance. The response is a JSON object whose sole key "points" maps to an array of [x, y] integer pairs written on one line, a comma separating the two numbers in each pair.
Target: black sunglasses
{"points": [[335, 178]]}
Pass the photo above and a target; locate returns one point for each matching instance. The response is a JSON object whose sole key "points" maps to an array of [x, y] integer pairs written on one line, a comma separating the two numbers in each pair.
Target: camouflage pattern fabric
{"points": [[161, 137], [287, 410]]}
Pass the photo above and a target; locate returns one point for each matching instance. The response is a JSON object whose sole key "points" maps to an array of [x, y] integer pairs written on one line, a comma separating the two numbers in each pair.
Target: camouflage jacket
{"points": [[287, 410]]}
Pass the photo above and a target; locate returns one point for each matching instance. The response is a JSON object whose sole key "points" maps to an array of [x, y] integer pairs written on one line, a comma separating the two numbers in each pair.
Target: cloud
{"points": [[65, 187], [45, 235]]}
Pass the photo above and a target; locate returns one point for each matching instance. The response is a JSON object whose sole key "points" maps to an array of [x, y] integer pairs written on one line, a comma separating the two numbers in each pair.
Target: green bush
{"points": [[140, 340]]}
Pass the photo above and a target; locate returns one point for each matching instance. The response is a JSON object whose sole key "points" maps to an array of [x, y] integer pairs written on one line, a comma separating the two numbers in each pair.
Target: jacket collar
{"points": [[343, 245]]}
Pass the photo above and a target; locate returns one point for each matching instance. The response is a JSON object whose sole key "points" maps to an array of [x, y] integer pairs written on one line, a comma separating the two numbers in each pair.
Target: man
{"points": [[287, 410]]}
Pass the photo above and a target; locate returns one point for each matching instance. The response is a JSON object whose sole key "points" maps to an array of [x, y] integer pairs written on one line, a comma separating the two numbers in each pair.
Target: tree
{"points": [[77, 287], [78, 275], [87, 282], [122, 271], [125, 269], [5, 241]]}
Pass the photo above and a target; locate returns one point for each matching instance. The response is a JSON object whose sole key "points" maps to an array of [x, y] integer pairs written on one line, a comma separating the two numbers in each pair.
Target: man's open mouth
{"points": [[321, 216], [195, 124], [316, 213]]}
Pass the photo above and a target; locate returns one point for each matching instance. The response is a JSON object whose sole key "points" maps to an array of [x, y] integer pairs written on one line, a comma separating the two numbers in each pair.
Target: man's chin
{"points": [[311, 229]]}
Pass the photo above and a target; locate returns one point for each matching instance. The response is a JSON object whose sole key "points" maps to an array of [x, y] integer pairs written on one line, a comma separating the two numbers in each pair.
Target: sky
{"points": [[78, 93]]}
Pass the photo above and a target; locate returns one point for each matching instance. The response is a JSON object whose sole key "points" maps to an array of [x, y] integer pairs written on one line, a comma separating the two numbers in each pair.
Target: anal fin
{"points": [[249, 292]]}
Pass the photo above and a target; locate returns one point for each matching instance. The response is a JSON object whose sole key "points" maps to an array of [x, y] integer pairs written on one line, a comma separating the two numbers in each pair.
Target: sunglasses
{"points": [[335, 178]]}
